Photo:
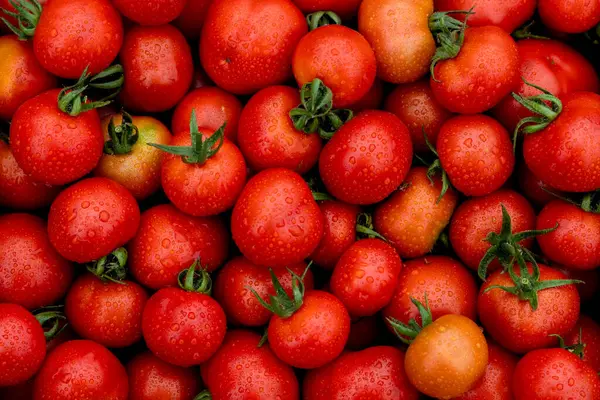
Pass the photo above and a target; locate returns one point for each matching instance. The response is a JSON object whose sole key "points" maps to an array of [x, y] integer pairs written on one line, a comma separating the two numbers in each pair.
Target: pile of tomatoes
{"points": [[299, 199]]}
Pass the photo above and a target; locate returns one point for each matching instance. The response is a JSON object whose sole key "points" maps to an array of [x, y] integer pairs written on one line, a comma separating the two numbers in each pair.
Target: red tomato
{"points": [[485, 70], [367, 159], [150, 378], [247, 45], [533, 188], [80, 370], [154, 12], [275, 221], [339, 56], [508, 14], [74, 34], [157, 63], [92, 218], [191, 19], [241, 370], [22, 345], [370, 101], [213, 107], [346, 9], [586, 333], [415, 105], [267, 137], [571, 17], [317, 382], [52, 146]]}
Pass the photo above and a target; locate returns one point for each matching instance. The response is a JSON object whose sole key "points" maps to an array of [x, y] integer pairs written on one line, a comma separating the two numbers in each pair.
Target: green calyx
{"points": [[578, 348], [319, 196], [27, 13], [264, 338], [73, 99], [435, 168], [122, 137], [524, 32], [195, 279], [200, 150], [412, 329], [590, 202], [365, 228], [110, 268], [322, 18], [52, 319], [204, 395], [316, 113]]}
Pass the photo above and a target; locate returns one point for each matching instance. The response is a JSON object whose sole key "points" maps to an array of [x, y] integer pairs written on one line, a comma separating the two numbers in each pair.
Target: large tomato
{"points": [[571, 17], [155, 12], [507, 14]]}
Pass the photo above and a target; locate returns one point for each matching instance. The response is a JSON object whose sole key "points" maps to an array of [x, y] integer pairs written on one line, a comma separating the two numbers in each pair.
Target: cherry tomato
{"points": [[508, 15], [587, 333], [346, 9], [155, 12], [570, 17], [191, 19]]}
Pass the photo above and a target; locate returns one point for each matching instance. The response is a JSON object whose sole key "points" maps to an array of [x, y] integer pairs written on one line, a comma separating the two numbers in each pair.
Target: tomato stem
{"points": [[524, 33], [364, 227], [322, 18], [204, 395], [195, 279], [52, 319], [27, 15], [578, 348], [434, 168], [412, 329], [111, 267], [122, 137]]}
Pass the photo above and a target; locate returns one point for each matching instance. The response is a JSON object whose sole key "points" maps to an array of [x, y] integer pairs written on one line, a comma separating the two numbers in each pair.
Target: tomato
{"points": [[346, 9], [267, 137], [365, 276], [412, 218], [32, 273], [367, 159], [518, 325], [155, 12], [586, 334], [213, 107], [239, 304], [399, 33], [150, 378], [363, 332], [474, 219], [370, 101], [135, 166], [415, 105], [74, 34], [241, 370], [572, 17], [534, 189], [168, 241], [508, 15], [22, 344], [275, 221], [485, 70], [157, 63], [191, 19], [247, 45], [79, 370], [52, 146], [556, 370], [339, 56]]}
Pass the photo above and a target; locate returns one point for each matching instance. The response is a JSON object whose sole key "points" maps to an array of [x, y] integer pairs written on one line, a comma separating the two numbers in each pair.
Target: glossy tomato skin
{"points": [[572, 17], [556, 370], [515, 325], [267, 136], [150, 378], [158, 68], [590, 336], [399, 34], [91, 218], [508, 15], [264, 34], [370, 101], [316, 384], [475, 218], [276, 221], [447, 358], [169, 241], [74, 34], [346, 9], [241, 370], [50, 145], [339, 56], [204, 189], [139, 170], [314, 335], [240, 305], [367, 159], [485, 70], [412, 219], [32, 273], [191, 19], [565, 154], [213, 107], [415, 105], [183, 328], [80, 370], [22, 344], [339, 232], [153, 12], [108, 313], [365, 276]]}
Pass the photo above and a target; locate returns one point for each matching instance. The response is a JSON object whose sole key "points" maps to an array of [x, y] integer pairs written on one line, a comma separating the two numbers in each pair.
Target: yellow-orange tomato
{"points": [[447, 358], [138, 170], [398, 31]]}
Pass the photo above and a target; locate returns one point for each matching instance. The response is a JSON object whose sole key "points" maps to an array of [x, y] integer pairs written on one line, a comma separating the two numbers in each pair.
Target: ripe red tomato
{"points": [[276, 221], [316, 384], [367, 159], [80, 370], [532, 187], [191, 19], [155, 12], [52, 146], [158, 68], [32, 273], [247, 45], [346, 9], [485, 70], [570, 17], [365, 276], [339, 56], [91, 218], [150, 378], [587, 334], [241, 370], [22, 344], [508, 15], [267, 137]]}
